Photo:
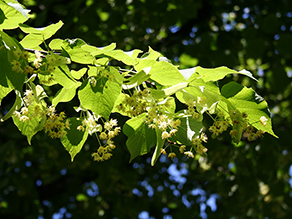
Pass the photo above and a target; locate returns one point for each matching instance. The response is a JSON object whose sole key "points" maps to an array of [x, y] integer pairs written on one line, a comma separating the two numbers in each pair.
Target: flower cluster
{"points": [[239, 123], [219, 127], [197, 143], [110, 130], [252, 134], [192, 110], [90, 123], [136, 104], [19, 64], [22, 115], [28, 100], [220, 124], [56, 125], [169, 126]]}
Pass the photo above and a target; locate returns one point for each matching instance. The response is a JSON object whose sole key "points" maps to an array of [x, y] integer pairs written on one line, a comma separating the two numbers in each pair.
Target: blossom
{"points": [[182, 148], [80, 128], [17, 114], [90, 123], [263, 120], [171, 155], [111, 134], [92, 81], [163, 125], [162, 151], [103, 136], [165, 135], [38, 60], [189, 154], [51, 110], [23, 118], [113, 122], [201, 149]]}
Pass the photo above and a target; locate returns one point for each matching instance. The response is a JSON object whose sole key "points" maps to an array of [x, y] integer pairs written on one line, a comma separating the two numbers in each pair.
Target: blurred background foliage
{"points": [[252, 180]]}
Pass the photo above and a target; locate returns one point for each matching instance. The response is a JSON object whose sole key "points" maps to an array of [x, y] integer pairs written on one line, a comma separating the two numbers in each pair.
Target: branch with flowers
{"points": [[143, 87]]}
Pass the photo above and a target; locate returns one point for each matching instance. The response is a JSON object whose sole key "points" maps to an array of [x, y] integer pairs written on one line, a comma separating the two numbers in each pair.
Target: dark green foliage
{"points": [[33, 180]]}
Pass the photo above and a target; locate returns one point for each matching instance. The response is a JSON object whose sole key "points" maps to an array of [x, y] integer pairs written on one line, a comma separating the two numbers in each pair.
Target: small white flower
{"points": [[189, 154], [173, 131], [113, 122], [92, 81], [163, 125], [165, 135], [24, 110], [80, 128], [17, 114], [51, 110], [23, 118], [263, 120], [28, 93], [107, 126]]}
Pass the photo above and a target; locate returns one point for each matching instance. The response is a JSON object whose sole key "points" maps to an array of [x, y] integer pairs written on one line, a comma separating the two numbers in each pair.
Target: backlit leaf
{"points": [[74, 140]]}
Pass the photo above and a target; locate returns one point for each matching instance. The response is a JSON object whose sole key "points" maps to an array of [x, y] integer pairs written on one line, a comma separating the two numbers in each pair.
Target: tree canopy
{"points": [[248, 180]]}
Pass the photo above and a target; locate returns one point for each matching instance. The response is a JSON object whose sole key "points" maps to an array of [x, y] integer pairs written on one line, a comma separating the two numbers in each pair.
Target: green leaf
{"points": [[74, 140], [203, 95], [16, 106], [63, 76], [76, 53], [3, 92], [135, 80], [175, 88], [168, 91], [168, 105], [162, 72], [14, 14], [188, 128], [57, 60], [37, 36], [166, 74], [38, 91], [129, 58], [140, 137], [116, 76], [152, 54], [56, 44], [159, 145], [101, 97], [98, 50], [248, 101], [78, 74], [30, 127], [215, 74], [118, 102], [9, 78], [65, 94]]}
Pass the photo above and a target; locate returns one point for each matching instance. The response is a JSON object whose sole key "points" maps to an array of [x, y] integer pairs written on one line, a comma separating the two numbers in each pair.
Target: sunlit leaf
{"points": [[37, 36], [14, 14], [99, 98], [65, 94], [29, 127], [215, 74], [248, 101], [141, 138]]}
